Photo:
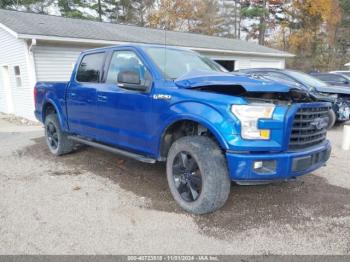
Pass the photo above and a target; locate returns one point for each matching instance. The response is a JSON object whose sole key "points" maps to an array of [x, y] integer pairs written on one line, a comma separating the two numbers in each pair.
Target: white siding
{"points": [[245, 62], [55, 63], [13, 52], [267, 63], [248, 61]]}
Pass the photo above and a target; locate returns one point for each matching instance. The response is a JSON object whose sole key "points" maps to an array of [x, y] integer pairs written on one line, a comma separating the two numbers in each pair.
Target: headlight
{"points": [[249, 115]]}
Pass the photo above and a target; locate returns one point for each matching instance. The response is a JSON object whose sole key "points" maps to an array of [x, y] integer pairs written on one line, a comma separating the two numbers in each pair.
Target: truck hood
{"points": [[196, 79], [334, 89]]}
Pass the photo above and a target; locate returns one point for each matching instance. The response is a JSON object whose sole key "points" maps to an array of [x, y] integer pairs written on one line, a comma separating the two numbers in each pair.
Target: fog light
{"points": [[265, 167]]}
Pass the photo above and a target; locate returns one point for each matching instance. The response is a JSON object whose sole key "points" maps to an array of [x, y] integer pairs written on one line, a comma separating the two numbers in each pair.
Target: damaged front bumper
{"points": [[343, 110], [259, 167]]}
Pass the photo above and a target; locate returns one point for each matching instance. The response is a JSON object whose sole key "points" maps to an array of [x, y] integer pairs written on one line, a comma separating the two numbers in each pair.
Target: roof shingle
{"points": [[47, 25]]}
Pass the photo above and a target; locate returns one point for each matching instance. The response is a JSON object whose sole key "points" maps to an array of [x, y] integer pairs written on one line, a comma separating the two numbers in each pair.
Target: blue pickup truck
{"points": [[155, 103]]}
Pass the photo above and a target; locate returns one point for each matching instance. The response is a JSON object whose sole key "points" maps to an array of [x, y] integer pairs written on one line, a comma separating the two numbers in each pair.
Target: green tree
{"points": [[38, 6], [6, 3], [255, 10], [261, 15], [71, 8]]}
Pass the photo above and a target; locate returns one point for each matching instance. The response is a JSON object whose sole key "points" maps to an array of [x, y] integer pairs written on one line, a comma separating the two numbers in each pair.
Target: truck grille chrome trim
{"points": [[309, 127]]}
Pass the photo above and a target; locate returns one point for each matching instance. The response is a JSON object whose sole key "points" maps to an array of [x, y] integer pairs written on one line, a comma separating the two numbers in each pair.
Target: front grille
{"points": [[307, 127]]}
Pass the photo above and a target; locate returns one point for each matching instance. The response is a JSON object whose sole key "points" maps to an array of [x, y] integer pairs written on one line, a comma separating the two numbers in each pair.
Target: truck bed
{"points": [[54, 91]]}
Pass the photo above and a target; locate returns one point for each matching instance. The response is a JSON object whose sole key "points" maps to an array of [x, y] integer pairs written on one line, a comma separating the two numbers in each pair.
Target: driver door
{"points": [[124, 117]]}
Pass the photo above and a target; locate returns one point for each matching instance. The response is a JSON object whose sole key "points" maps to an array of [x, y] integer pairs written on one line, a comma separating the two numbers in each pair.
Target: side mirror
{"points": [[131, 80]]}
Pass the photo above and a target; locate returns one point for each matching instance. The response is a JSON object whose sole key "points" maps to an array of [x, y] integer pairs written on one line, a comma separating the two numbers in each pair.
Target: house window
{"points": [[18, 76]]}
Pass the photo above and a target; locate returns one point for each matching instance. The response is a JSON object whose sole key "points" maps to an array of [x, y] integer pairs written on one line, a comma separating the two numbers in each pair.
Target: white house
{"points": [[35, 47]]}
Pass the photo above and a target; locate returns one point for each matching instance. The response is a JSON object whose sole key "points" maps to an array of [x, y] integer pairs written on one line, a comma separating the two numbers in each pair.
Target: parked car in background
{"points": [[338, 96], [332, 78], [209, 126], [344, 73]]}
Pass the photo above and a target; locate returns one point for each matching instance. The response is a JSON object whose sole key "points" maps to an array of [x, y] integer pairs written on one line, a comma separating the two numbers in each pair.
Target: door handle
{"points": [[73, 94], [102, 98]]}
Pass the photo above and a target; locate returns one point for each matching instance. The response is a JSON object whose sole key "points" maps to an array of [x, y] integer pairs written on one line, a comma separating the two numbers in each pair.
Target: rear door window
{"points": [[90, 68]]}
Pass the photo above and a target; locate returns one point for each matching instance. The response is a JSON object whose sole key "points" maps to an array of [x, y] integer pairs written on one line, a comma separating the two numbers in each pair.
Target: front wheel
{"points": [[332, 118], [197, 174]]}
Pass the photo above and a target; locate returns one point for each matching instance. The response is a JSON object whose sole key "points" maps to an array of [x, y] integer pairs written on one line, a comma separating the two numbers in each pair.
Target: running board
{"points": [[113, 150]]}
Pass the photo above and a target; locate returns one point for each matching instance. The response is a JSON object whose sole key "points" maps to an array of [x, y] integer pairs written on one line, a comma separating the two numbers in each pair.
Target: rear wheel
{"points": [[197, 174], [56, 140]]}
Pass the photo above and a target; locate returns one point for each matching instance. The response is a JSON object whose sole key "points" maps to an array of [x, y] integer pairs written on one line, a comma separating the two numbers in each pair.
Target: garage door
{"points": [[266, 64], [55, 63]]}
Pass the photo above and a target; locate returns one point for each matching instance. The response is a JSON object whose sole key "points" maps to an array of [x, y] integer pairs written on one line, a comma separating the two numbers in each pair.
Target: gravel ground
{"points": [[93, 202]]}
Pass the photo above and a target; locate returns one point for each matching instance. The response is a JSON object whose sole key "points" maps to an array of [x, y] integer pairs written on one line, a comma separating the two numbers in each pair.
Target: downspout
{"points": [[33, 43], [31, 69]]}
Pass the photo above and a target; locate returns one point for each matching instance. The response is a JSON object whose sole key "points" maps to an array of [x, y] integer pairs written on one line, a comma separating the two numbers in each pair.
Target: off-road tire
{"points": [[64, 144], [332, 118], [211, 162]]}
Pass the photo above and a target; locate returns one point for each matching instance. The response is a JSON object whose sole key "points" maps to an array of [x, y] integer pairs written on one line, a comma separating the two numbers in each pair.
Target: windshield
{"points": [[174, 63], [307, 79]]}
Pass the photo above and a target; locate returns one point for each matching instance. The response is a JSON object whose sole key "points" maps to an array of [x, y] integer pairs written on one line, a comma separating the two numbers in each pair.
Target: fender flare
{"points": [[58, 109], [202, 122], [207, 122]]}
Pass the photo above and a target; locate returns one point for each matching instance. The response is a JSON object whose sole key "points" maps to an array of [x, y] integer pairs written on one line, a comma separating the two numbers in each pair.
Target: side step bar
{"points": [[113, 150]]}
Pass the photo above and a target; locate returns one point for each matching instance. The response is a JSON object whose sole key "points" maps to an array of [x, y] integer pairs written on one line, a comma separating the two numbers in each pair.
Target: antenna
{"points": [[165, 44], [165, 52]]}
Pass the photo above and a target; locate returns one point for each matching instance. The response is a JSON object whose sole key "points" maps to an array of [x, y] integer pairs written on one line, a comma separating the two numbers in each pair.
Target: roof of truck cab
{"points": [[137, 46], [56, 28]]}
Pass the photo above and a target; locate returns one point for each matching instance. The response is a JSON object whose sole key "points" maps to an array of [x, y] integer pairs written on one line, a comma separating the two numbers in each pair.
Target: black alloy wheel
{"points": [[52, 136], [187, 176]]}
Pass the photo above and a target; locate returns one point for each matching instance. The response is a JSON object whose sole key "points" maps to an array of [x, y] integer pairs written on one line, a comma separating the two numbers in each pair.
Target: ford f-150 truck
{"points": [[155, 103]]}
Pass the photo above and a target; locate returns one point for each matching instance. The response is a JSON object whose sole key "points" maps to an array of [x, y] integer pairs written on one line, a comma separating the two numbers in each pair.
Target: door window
{"points": [[90, 68], [125, 61]]}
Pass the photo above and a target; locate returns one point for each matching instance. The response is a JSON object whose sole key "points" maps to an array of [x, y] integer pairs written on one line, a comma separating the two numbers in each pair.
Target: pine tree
{"points": [[261, 15], [70, 8], [37, 6], [6, 3]]}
